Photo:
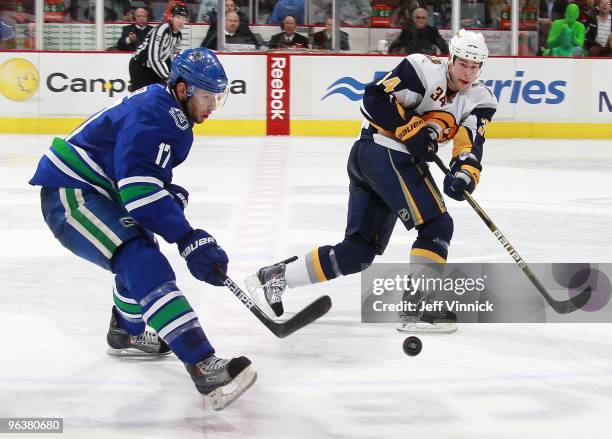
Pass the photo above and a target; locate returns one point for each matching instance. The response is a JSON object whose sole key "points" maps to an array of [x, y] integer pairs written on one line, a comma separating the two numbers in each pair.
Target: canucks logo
{"points": [[179, 118], [350, 88]]}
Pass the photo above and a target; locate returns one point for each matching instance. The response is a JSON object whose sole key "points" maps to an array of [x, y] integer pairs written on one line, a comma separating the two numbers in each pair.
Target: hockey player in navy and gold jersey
{"points": [[107, 189], [422, 101]]}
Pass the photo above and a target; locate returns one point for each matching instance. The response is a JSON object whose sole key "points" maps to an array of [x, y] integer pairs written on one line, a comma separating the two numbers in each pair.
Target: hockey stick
{"points": [[281, 329], [560, 306]]}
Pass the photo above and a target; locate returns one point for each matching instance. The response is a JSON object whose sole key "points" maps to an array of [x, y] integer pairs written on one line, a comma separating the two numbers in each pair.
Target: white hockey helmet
{"points": [[468, 45]]}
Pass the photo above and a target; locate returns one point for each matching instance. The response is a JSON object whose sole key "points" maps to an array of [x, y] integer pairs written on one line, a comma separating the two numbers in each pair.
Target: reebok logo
{"points": [[195, 245]]}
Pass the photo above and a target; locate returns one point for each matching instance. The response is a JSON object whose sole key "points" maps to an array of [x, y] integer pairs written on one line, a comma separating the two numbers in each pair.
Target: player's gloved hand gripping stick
{"points": [[560, 306], [281, 329]]}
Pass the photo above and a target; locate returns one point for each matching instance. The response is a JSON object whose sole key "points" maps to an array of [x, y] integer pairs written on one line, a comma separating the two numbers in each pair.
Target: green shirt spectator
{"points": [[565, 47], [571, 23]]}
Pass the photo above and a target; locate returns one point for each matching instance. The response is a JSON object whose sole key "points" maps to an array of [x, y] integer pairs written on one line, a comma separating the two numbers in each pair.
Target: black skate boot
{"points": [[267, 287], [418, 321], [222, 381], [121, 343]]}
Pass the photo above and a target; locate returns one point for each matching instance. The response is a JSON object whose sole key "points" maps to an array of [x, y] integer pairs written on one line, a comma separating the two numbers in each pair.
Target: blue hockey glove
{"points": [[202, 254], [465, 171], [180, 195], [423, 144]]}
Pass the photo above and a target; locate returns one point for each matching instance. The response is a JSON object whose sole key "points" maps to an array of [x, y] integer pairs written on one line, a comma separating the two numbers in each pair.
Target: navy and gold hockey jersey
{"points": [[126, 152], [418, 87]]}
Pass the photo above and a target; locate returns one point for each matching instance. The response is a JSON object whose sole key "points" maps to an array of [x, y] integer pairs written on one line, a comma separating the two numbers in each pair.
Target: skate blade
{"points": [[223, 396], [134, 353], [255, 290], [426, 328]]}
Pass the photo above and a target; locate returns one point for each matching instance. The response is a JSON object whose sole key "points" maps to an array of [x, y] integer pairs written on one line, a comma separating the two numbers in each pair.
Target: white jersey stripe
{"points": [[146, 200], [66, 170], [94, 219], [139, 179], [79, 227]]}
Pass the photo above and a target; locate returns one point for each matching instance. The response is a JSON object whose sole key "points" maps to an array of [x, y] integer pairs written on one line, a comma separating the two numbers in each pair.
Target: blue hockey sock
{"points": [[148, 277], [166, 310], [127, 310]]}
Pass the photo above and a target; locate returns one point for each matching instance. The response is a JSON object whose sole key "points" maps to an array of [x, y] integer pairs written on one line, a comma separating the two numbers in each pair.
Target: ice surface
{"points": [[268, 198]]}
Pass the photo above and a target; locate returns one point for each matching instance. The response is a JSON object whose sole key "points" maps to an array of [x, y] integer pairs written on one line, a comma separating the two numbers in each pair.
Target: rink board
{"points": [[50, 92]]}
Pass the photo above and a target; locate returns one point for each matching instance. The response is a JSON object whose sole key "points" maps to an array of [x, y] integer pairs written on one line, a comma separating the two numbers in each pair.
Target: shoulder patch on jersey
{"points": [[179, 118], [484, 93]]}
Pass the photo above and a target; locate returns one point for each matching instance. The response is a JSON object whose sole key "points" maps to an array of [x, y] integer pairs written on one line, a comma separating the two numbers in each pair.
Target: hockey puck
{"points": [[412, 346]]}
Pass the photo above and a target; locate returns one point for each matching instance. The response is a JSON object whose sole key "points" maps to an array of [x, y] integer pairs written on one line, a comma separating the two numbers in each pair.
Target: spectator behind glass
{"points": [[207, 8], [208, 11], [599, 30], [587, 10], [288, 37], [419, 37], [569, 22], [402, 16], [243, 27], [134, 34], [283, 8], [323, 39], [7, 36], [355, 12], [565, 46], [233, 33], [351, 12], [109, 13]]}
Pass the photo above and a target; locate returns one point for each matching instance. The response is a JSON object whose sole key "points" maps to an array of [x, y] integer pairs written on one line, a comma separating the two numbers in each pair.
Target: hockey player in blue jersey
{"points": [[419, 103], [107, 189]]}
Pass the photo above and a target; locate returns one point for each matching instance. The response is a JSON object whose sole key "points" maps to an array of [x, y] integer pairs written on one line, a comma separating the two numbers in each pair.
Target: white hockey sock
{"points": [[296, 273]]}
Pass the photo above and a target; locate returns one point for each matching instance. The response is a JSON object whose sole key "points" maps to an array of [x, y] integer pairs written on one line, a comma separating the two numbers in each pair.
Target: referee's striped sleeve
{"points": [[156, 48]]}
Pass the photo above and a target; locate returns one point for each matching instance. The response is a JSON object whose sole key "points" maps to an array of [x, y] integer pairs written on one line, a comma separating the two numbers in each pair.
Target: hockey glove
{"points": [[465, 171], [203, 255], [423, 144], [180, 195]]}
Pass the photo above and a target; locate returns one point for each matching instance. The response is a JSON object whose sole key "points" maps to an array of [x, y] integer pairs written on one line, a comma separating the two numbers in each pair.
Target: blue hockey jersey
{"points": [[126, 152]]}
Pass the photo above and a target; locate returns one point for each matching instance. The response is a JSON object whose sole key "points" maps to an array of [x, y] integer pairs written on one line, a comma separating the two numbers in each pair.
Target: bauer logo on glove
{"points": [[203, 256]]}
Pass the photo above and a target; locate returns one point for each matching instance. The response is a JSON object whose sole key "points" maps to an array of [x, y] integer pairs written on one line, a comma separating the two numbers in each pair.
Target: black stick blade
{"points": [[306, 316], [573, 304]]}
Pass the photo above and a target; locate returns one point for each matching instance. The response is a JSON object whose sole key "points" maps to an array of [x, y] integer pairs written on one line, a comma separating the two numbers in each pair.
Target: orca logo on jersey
{"points": [[179, 117], [127, 221]]}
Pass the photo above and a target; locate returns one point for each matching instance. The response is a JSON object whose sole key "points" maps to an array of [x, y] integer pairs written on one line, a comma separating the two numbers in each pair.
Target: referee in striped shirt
{"points": [[150, 64]]}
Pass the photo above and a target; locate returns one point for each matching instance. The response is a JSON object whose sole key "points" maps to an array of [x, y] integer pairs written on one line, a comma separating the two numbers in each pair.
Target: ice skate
{"points": [[266, 287], [425, 322], [222, 381], [121, 343]]}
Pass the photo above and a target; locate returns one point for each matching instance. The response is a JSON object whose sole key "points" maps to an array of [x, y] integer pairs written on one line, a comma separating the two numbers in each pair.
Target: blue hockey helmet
{"points": [[199, 68]]}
